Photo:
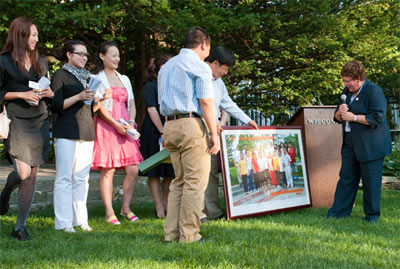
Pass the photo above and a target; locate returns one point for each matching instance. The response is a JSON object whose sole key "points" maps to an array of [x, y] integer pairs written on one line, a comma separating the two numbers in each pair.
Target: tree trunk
{"points": [[140, 63]]}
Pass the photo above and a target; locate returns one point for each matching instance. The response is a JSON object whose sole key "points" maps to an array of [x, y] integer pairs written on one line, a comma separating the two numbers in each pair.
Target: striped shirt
{"points": [[224, 102], [181, 82]]}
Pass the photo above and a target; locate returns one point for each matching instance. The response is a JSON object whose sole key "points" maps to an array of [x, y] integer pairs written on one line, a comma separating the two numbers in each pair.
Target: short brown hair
{"points": [[353, 69], [195, 36]]}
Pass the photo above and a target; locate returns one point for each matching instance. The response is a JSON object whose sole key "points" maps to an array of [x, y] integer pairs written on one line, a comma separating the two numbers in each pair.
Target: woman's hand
{"points": [[31, 96], [47, 93], [132, 124], [107, 94], [128, 126], [343, 108], [85, 95], [121, 128], [347, 116]]}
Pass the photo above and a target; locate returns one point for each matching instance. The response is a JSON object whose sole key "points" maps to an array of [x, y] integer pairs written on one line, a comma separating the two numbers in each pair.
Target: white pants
{"points": [[73, 159], [289, 177]]}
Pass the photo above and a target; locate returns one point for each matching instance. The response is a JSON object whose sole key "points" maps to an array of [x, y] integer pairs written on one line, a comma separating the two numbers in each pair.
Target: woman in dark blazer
{"points": [[74, 137], [27, 110], [366, 141]]}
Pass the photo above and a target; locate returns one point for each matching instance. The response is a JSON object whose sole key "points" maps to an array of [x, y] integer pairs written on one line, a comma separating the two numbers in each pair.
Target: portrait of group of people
{"points": [[264, 166]]}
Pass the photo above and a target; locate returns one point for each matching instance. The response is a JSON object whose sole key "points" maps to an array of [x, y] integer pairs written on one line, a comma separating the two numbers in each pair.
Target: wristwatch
{"points": [[355, 118]]}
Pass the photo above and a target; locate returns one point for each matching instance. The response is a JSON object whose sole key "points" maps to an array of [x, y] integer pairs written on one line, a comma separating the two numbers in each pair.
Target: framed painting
{"points": [[264, 170]]}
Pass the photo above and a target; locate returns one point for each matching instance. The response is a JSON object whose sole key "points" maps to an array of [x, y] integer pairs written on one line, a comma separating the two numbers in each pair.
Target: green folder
{"points": [[153, 161]]}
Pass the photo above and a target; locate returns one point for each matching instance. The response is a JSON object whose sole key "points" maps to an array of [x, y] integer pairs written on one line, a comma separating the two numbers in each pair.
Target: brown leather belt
{"points": [[182, 115]]}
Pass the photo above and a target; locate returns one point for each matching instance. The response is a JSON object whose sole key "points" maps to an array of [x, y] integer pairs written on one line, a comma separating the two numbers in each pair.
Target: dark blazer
{"points": [[75, 122], [370, 142]]}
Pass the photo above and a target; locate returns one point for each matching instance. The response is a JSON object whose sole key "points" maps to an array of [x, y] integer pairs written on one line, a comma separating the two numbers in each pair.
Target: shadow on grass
{"points": [[301, 238]]}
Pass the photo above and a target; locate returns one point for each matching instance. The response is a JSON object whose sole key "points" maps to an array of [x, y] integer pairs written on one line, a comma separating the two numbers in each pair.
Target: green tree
{"points": [[289, 52]]}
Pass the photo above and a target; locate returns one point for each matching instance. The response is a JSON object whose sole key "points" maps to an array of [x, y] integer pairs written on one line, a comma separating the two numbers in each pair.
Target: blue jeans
{"points": [[250, 177]]}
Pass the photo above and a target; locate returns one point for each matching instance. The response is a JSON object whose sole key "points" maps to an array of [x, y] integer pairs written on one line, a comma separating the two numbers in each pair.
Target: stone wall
{"points": [[46, 176], [45, 183]]}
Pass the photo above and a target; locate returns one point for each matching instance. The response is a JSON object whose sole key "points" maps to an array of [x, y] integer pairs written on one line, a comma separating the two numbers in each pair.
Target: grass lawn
{"points": [[294, 239]]}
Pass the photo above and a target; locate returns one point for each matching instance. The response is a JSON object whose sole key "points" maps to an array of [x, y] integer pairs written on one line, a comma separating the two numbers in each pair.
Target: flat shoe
{"points": [[21, 234], [113, 220], [204, 220], [130, 216], [69, 230], [86, 228]]}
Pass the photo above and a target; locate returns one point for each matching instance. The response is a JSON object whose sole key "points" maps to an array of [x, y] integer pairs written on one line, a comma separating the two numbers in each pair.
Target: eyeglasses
{"points": [[81, 54], [347, 81]]}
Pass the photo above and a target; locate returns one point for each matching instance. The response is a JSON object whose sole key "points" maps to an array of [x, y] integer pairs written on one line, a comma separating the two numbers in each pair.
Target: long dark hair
{"points": [[69, 46], [17, 44], [155, 65], [103, 48]]}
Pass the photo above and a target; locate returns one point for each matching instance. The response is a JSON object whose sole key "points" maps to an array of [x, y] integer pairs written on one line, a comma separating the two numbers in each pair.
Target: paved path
{"points": [[47, 172], [45, 184]]}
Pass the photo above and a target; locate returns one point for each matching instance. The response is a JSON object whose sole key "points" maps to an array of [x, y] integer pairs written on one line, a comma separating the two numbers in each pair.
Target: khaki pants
{"points": [[211, 198], [187, 141]]}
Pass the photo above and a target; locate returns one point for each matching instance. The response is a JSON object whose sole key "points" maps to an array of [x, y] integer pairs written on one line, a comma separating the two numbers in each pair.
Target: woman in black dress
{"points": [[152, 131], [19, 66]]}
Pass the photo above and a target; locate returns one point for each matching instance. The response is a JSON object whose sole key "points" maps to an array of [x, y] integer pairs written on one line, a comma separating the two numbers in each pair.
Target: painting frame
{"points": [[272, 190]]}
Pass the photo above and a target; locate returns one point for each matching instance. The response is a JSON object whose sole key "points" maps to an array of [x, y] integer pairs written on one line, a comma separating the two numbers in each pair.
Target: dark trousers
{"points": [[346, 189], [257, 177], [244, 181], [284, 181]]}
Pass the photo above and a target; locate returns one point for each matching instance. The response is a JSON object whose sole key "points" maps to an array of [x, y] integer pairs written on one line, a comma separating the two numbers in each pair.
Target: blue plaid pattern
{"points": [[181, 82]]}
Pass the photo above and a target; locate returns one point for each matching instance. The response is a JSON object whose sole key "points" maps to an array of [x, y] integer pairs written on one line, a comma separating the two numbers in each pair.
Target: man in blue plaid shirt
{"points": [[185, 95]]}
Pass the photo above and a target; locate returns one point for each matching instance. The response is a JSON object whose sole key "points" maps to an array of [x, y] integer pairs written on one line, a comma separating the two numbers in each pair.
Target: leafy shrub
{"points": [[391, 164]]}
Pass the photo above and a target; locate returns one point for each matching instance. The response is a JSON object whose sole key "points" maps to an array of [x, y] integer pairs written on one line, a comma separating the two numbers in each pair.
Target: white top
{"points": [[236, 155], [286, 159], [108, 104], [261, 163], [249, 163]]}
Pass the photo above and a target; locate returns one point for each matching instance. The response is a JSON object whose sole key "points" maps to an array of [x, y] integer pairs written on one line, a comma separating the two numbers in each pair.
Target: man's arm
{"points": [[209, 115], [224, 118], [232, 108]]}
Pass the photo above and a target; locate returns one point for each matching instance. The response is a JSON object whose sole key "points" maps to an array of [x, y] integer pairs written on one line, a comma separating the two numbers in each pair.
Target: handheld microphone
{"points": [[343, 97]]}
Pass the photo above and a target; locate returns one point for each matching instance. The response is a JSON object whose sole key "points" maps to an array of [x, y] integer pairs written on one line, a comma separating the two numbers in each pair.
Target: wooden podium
{"points": [[322, 139]]}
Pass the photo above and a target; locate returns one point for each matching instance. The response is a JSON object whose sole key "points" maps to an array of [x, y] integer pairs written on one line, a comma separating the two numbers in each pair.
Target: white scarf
{"points": [[108, 104]]}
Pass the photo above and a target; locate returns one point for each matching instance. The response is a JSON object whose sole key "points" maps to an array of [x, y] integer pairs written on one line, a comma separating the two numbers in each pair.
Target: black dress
{"points": [[150, 134], [24, 140]]}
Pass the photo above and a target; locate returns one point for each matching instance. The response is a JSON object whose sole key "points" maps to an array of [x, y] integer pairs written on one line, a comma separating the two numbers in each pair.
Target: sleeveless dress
{"points": [[111, 149], [150, 134]]}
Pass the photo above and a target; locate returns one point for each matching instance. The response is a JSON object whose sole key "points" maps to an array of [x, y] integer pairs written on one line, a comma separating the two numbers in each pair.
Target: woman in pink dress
{"points": [[114, 148]]}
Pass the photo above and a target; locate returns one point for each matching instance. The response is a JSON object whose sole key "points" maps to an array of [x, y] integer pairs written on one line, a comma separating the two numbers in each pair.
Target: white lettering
{"points": [[321, 121]]}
